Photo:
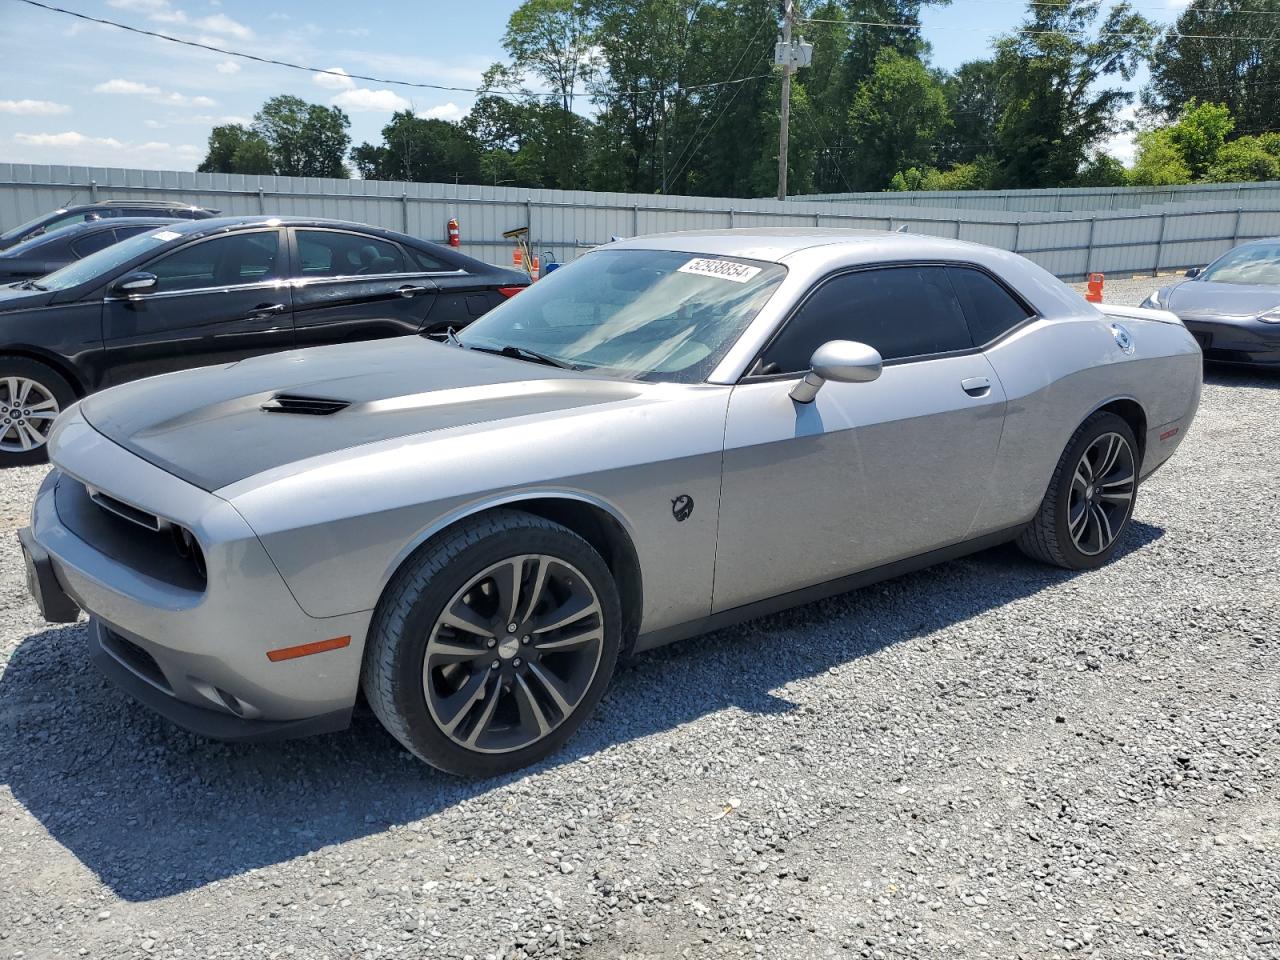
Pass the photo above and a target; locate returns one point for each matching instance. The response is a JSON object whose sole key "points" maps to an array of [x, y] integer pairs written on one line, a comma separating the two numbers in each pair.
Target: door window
{"points": [[990, 309], [240, 258], [93, 243], [901, 311], [328, 253]]}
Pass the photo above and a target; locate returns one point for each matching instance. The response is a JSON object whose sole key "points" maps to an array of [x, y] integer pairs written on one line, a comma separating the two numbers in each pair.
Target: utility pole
{"points": [[784, 127]]}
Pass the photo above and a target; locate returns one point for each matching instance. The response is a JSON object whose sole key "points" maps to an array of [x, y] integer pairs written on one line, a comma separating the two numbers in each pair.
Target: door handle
{"points": [[264, 311], [976, 386], [410, 290]]}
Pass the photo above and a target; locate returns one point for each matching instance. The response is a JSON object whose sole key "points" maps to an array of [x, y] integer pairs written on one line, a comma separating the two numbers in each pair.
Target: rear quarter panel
{"points": [[1057, 372]]}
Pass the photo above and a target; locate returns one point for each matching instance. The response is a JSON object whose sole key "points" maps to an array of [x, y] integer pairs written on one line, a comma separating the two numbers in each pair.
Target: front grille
{"points": [[130, 536]]}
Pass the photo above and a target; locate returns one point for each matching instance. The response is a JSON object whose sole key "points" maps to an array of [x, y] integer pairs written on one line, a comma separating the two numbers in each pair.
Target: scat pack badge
{"points": [[682, 507]]}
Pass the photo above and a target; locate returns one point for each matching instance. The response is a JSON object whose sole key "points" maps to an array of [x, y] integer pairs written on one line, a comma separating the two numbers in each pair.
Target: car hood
{"points": [[12, 297], [209, 427], [1202, 298]]}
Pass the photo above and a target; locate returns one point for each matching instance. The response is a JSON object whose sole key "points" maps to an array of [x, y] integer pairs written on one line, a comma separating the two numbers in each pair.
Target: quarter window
{"points": [[234, 260], [990, 309], [901, 311], [326, 253]]}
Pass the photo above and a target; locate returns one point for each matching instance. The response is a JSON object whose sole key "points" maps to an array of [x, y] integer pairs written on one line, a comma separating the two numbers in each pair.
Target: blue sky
{"points": [[80, 93]]}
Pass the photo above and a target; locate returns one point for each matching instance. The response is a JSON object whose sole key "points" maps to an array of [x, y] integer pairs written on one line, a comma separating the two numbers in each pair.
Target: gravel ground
{"points": [[987, 759]]}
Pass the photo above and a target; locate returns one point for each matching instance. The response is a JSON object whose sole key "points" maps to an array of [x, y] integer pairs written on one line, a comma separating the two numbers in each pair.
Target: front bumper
{"points": [[1243, 341], [196, 654]]}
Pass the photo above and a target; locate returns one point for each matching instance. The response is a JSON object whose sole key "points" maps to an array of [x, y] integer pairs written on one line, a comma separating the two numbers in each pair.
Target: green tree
{"points": [[897, 119], [1102, 170], [1159, 162], [1199, 134], [552, 40], [1247, 160], [973, 102], [1223, 52], [422, 150], [1054, 107], [305, 139], [234, 148]]}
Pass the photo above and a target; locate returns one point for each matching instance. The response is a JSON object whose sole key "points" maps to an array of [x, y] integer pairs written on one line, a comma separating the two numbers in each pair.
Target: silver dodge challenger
{"points": [[668, 435]]}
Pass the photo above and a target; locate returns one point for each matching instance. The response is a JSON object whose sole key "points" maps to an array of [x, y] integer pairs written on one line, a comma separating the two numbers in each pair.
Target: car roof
{"points": [[215, 224], [777, 244]]}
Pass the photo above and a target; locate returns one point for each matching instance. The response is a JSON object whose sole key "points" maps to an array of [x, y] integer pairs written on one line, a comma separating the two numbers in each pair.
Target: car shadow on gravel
{"points": [[1226, 375], [154, 811]]}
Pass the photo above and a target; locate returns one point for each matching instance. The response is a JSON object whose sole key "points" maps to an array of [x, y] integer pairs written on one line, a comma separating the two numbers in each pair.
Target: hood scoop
{"points": [[310, 406]]}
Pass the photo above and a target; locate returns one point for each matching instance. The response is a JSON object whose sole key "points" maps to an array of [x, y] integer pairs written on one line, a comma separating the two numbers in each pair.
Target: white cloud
{"points": [[163, 11], [154, 94], [71, 146], [221, 23], [334, 78], [446, 111], [33, 108], [463, 70], [129, 87], [70, 138], [364, 100], [279, 16], [153, 124], [229, 67], [353, 32]]}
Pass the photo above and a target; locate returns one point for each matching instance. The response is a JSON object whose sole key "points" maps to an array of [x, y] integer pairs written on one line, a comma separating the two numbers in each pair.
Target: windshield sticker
{"points": [[724, 269], [166, 235]]}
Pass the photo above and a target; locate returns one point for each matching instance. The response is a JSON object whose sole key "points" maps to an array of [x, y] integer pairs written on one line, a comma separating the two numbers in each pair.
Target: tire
{"points": [[24, 427], [437, 642], [1067, 531]]}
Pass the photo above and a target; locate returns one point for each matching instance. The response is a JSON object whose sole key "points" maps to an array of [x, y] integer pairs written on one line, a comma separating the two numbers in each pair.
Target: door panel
{"points": [[216, 301], [351, 286], [867, 474]]}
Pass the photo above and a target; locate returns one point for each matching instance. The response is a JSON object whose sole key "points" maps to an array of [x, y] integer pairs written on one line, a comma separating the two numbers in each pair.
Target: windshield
{"points": [[637, 314], [1257, 263], [35, 243], [105, 260], [23, 228]]}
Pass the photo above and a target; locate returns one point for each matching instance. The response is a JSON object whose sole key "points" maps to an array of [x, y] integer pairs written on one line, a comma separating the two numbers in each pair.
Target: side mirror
{"points": [[844, 361], [132, 284], [1193, 272]]}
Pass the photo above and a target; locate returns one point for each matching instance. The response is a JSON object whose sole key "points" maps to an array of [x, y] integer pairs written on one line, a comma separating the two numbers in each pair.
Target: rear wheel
{"points": [[31, 396], [1090, 498], [492, 646]]}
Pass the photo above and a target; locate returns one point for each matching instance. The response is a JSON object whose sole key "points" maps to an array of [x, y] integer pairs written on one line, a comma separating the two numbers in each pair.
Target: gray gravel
{"points": [[987, 759]]}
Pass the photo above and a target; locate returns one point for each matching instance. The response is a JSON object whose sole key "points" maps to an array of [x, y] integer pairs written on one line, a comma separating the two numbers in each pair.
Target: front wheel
{"points": [[493, 644], [1090, 499], [31, 397]]}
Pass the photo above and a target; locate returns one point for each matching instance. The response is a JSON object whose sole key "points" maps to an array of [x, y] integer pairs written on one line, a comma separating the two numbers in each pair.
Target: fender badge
{"points": [[1124, 340], [682, 507]]}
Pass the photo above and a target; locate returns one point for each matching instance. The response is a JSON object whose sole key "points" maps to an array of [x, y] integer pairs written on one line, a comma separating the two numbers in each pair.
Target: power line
{"points": [[1060, 4], [226, 52]]}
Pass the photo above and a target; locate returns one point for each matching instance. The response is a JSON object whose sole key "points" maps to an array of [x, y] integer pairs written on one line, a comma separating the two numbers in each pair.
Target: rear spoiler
{"points": [[1118, 312]]}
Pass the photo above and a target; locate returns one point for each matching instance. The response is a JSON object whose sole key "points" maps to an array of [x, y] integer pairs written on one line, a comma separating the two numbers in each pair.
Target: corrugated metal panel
{"points": [[1070, 232]]}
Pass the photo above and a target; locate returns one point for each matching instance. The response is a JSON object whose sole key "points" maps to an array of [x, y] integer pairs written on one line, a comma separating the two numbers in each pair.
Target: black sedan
{"points": [[213, 291], [1232, 306], [102, 210], [54, 250]]}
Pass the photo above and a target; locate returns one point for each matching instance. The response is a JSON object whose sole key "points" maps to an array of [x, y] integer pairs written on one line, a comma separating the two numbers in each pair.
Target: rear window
{"points": [[328, 253], [990, 309]]}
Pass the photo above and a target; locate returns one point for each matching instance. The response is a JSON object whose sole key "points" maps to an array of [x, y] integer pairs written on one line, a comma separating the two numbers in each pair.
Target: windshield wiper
{"points": [[32, 285], [524, 353]]}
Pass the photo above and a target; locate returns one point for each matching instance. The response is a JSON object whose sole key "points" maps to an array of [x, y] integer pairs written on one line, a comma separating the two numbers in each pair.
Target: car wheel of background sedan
{"points": [[493, 644], [1090, 498], [31, 396]]}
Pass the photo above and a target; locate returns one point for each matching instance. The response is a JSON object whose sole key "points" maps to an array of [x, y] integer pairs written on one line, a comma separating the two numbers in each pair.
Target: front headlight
{"points": [[1152, 302], [1271, 316]]}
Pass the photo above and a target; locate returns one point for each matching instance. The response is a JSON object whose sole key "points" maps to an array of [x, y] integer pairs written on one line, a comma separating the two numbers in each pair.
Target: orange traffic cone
{"points": [[1095, 287]]}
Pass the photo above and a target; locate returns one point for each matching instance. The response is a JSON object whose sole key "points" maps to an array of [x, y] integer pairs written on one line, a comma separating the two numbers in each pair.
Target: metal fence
{"points": [[563, 224], [1069, 199]]}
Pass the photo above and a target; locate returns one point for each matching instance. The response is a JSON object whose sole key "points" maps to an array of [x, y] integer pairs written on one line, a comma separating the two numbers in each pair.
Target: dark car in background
{"points": [[1232, 306], [203, 292], [102, 210], [54, 249]]}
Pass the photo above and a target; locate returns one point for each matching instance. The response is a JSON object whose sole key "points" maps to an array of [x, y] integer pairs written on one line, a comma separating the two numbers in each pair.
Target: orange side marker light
{"points": [[307, 649]]}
